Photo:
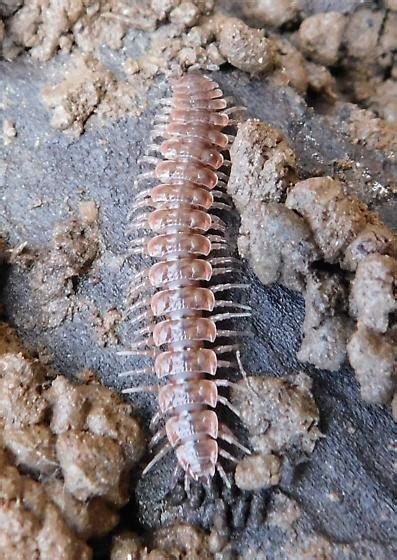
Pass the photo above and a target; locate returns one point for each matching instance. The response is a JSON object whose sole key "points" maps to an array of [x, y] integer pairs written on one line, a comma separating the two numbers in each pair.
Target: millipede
{"points": [[177, 297]]}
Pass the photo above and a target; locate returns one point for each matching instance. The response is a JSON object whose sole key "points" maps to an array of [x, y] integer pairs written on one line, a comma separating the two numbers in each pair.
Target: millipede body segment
{"points": [[187, 239]]}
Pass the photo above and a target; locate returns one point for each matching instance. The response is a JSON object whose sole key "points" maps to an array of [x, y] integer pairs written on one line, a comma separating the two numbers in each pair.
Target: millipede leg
{"points": [[141, 303], [146, 316], [145, 176], [139, 222], [157, 437], [223, 260], [219, 195], [225, 364], [226, 348], [133, 372], [141, 389], [144, 331], [244, 375], [140, 344], [149, 159], [222, 177], [227, 455], [143, 194], [153, 148], [226, 383], [229, 303], [143, 353], [223, 475], [224, 270], [228, 404], [231, 315], [139, 289], [219, 247], [163, 101], [186, 484], [138, 205], [223, 206], [217, 224], [162, 453], [218, 239], [227, 435], [232, 286], [235, 109], [229, 333]]}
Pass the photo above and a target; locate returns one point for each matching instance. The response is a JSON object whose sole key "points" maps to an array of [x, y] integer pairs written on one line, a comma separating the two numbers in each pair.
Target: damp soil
{"points": [[77, 106]]}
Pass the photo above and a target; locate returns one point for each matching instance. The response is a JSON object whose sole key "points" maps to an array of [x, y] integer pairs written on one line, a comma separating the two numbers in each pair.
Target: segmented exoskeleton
{"points": [[188, 241]]}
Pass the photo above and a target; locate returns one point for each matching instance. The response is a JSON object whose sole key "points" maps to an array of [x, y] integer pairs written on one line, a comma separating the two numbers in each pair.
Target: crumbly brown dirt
{"points": [[175, 542], [263, 165], [245, 48], [334, 218], [374, 292], [80, 441], [88, 88], [257, 471], [318, 225], [320, 37], [363, 127], [53, 274], [343, 227], [273, 14], [327, 326], [32, 526], [277, 243], [198, 33], [280, 414], [374, 358]]}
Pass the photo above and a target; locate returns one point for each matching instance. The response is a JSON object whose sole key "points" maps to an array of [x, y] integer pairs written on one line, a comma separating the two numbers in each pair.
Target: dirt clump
{"points": [[92, 466], [270, 13], [54, 272], [293, 243], [261, 470], [169, 543], [336, 219], [9, 130], [280, 414], [90, 519], [374, 292], [327, 326], [55, 26], [32, 526], [263, 165], [79, 440], [384, 101], [362, 33], [373, 356], [89, 88], [277, 243], [320, 37], [22, 403], [245, 48]]}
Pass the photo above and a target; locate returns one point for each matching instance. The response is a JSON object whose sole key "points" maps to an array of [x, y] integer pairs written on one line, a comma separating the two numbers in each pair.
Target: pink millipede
{"points": [[181, 321]]}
